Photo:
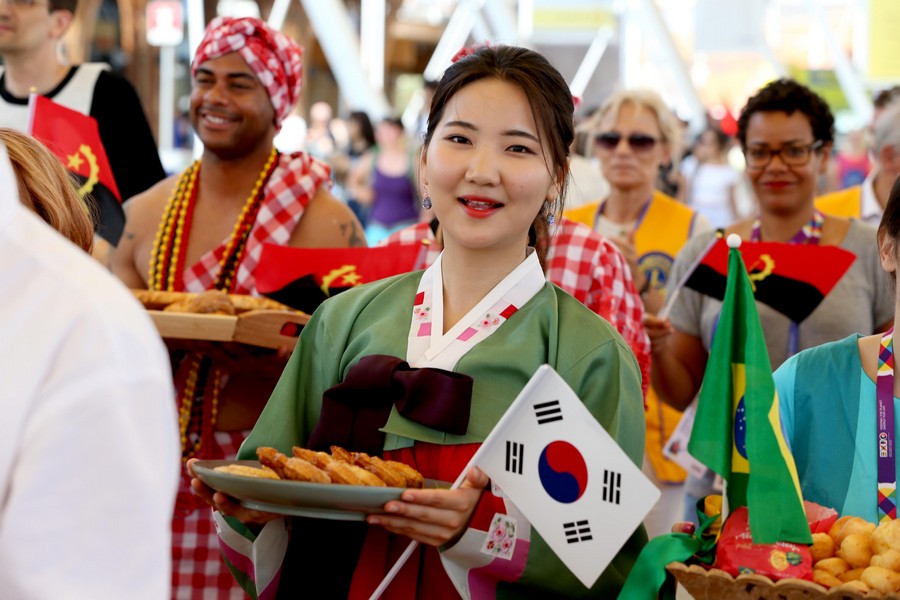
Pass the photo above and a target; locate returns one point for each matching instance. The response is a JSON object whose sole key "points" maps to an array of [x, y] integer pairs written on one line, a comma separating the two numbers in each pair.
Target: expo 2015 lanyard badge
{"points": [[811, 233], [884, 418]]}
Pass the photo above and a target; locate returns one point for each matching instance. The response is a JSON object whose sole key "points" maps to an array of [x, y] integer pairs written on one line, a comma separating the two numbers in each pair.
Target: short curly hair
{"points": [[789, 96]]}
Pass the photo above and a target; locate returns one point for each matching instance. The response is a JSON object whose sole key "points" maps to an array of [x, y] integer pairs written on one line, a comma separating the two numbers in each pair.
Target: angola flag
{"points": [[75, 139], [737, 428], [304, 277], [791, 278]]}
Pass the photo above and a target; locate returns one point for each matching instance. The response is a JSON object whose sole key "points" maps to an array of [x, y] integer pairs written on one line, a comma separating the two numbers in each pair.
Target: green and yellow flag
{"points": [[737, 429]]}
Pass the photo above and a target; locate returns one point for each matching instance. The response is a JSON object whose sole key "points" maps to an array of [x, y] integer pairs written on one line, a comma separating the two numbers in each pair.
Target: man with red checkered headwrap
{"points": [[205, 229]]}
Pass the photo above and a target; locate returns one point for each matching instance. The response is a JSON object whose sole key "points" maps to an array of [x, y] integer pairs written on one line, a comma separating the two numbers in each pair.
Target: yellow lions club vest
{"points": [[662, 230], [842, 203]]}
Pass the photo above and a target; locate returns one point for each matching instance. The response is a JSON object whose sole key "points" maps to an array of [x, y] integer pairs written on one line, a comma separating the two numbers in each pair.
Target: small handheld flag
{"points": [[75, 139], [791, 278], [737, 428], [566, 474], [304, 277]]}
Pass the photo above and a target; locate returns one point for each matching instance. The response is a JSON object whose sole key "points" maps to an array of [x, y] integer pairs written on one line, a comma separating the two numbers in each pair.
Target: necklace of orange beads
{"points": [[197, 419]]}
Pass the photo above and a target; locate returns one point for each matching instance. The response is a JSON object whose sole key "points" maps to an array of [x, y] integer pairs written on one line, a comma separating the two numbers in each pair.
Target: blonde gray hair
{"points": [[643, 98]]}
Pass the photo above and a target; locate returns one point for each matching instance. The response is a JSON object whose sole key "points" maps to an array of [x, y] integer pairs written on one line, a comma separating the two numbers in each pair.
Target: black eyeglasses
{"points": [[793, 155], [639, 142]]}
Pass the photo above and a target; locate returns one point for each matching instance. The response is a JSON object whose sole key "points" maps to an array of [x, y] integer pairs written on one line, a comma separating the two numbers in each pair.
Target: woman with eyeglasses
{"points": [[786, 132], [635, 134]]}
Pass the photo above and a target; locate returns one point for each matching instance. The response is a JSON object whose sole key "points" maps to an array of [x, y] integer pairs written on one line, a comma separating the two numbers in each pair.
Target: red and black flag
{"points": [[304, 277], [75, 139], [791, 278]]}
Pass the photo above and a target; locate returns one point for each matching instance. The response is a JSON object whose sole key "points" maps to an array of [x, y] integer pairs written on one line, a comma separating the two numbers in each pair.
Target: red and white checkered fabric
{"points": [[198, 572], [289, 189], [583, 263], [275, 58]]}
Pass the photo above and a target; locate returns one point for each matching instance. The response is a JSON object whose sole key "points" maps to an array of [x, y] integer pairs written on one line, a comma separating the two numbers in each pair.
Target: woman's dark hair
{"points": [[548, 95], [890, 220], [788, 96], [365, 126]]}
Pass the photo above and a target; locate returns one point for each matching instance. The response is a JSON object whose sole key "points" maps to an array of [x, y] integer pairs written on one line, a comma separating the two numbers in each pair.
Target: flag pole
{"points": [[670, 301], [32, 100], [482, 450]]}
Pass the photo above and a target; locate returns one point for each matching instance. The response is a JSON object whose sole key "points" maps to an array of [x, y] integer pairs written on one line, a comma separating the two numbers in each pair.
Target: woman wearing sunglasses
{"points": [[786, 132], [635, 134]]}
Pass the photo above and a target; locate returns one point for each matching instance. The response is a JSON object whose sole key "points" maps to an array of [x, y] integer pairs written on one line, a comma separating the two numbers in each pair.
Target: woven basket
{"points": [[715, 584]]}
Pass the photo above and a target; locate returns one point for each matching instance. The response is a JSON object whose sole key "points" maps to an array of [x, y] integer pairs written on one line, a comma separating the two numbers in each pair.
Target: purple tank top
{"points": [[395, 199]]}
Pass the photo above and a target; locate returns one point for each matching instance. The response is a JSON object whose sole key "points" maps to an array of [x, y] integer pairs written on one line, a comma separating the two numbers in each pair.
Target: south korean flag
{"points": [[567, 475]]}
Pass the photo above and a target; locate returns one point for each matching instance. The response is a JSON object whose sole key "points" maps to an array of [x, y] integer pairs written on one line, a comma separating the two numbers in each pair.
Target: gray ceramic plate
{"points": [[298, 498]]}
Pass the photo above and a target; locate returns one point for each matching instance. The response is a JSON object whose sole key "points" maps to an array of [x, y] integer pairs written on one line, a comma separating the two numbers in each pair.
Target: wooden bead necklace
{"points": [[197, 422]]}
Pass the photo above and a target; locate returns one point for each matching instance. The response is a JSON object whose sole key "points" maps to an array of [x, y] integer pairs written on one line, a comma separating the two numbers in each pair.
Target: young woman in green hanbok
{"points": [[473, 328]]}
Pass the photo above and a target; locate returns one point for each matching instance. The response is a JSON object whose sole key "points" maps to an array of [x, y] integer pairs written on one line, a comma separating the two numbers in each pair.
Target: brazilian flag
{"points": [[737, 429]]}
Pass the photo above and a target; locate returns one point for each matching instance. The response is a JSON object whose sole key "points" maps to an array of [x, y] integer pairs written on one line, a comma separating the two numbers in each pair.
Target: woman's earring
{"points": [[551, 218], [426, 201]]}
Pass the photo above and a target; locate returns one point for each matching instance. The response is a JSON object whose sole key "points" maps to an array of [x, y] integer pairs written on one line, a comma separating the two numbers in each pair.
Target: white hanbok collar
{"points": [[429, 347]]}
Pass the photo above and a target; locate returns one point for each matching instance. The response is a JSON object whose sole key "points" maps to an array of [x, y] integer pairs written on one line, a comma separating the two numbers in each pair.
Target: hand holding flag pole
{"points": [[486, 446], [673, 295], [548, 430]]}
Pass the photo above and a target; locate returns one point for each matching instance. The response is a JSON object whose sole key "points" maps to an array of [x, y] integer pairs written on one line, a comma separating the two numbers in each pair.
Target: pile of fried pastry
{"points": [[340, 466], [856, 554], [210, 302]]}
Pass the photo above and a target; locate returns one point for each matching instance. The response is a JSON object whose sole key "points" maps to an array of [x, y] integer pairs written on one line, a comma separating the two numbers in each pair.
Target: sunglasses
{"points": [[639, 142]]}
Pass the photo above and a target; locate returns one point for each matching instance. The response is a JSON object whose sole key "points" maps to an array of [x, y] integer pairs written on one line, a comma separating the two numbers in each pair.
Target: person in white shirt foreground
{"points": [[89, 453]]}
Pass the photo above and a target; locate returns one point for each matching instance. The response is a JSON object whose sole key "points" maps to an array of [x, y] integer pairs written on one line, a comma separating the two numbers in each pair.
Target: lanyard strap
{"points": [[811, 233], [884, 418]]}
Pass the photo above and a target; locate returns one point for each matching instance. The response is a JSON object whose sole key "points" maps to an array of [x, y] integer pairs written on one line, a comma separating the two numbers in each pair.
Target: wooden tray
{"points": [[256, 327], [715, 584]]}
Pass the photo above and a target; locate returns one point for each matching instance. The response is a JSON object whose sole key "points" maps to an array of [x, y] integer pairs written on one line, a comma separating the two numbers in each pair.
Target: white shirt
{"points": [[89, 451], [870, 210]]}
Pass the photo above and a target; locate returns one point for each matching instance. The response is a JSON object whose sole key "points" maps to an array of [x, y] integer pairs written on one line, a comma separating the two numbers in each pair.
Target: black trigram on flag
{"points": [[577, 531], [547, 412], [612, 486], [514, 453]]}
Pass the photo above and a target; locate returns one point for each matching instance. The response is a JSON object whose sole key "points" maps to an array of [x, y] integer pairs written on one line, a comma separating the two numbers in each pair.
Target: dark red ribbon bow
{"points": [[354, 410]]}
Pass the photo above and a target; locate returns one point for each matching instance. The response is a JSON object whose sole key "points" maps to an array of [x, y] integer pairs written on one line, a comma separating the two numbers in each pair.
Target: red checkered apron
{"points": [[198, 572]]}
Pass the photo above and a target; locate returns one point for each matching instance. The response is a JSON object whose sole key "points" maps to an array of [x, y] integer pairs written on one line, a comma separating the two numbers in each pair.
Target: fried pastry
{"points": [[347, 474], [272, 458], [211, 302], [380, 469], [248, 471], [320, 459], [414, 479], [341, 454], [298, 469]]}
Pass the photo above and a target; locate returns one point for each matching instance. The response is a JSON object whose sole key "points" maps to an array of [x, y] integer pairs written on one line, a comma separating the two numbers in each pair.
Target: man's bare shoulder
{"points": [[151, 202], [328, 223]]}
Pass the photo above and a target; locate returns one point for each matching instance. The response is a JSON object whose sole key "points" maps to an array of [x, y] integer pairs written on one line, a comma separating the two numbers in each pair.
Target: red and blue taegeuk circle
{"points": [[562, 471]]}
